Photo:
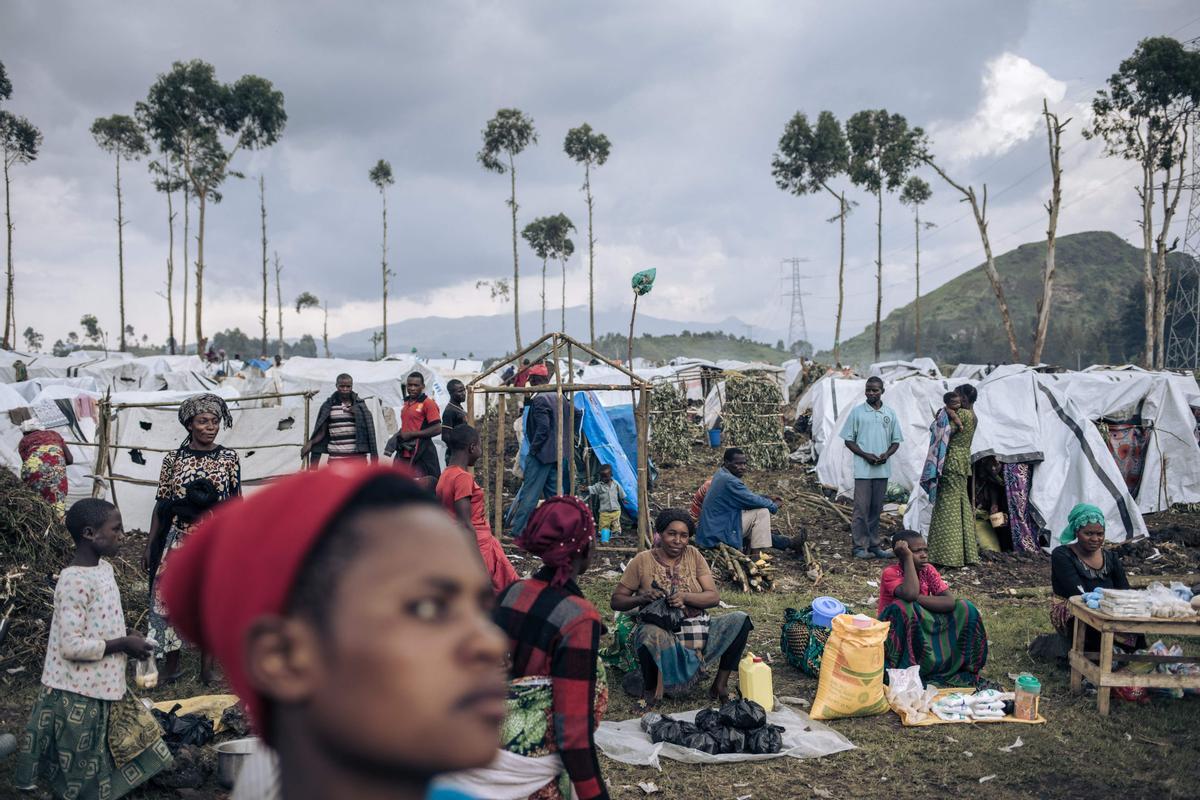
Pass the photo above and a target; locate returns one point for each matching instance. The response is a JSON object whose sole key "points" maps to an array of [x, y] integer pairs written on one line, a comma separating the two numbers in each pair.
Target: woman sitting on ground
{"points": [[929, 626], [671, 662], [557, 689], [463, 498], [1081, 564]]}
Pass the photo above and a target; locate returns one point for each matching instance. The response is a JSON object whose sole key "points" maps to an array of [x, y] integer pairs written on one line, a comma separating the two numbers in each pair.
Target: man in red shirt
{"points": [[420, 422]]}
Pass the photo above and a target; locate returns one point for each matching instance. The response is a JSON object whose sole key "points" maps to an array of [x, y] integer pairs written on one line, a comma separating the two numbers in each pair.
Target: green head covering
{"points": [[1081, 516]]}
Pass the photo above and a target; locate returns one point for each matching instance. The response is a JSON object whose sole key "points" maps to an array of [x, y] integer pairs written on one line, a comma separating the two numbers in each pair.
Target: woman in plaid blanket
{"points": [[672, 661]]}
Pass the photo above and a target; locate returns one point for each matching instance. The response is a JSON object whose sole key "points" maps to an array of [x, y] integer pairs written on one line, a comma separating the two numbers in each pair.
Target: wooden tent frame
{"points": [[558, 344]]}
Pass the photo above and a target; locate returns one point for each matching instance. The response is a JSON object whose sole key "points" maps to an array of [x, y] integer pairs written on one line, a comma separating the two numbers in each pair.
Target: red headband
{"points": [[240, 564]]}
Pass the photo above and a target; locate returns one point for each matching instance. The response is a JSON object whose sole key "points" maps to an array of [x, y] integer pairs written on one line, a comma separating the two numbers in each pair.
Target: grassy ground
{"points": [[1138, 751]]}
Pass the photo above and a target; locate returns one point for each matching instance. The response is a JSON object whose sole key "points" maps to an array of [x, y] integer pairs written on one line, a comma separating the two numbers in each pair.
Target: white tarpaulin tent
{"points": [[895, 370], [915, 401], [1048, 418]]}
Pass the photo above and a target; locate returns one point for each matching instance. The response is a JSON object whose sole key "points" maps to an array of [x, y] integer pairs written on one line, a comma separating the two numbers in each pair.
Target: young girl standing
{"points": [[87, 736]]}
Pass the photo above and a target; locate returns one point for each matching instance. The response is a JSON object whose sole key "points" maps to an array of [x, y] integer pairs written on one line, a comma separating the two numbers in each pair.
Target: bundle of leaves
{"points": [[34, 548], [753, 421], [672, 431]]}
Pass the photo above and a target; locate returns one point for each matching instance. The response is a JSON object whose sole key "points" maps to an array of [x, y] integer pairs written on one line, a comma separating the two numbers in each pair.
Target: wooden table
{"points": [[1097, 667]]}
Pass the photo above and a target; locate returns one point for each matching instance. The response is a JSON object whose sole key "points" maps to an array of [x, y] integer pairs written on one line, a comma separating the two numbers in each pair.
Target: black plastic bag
{"points": [[190, 729], [670, 730], [661, 615], [704, 742], [767, 740], [709, 720], [650, 719], [745, 714], [730, 740]]}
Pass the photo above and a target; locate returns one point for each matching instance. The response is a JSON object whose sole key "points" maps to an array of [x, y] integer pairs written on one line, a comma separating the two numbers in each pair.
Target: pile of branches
{"points": [[738, 569], [810, 373], [34, 548], [753, 421], [672, 431]]}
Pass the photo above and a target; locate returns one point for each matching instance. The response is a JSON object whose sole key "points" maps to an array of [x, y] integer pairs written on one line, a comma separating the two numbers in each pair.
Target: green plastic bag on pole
{"points": [[643, 282]]}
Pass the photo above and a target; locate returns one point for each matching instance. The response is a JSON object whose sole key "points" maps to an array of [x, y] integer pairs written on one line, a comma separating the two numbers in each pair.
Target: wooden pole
{"points": [[579, 387], [558, 422], [471, 422], [102, 447], [498, 507], [643, 416], [571, 412]]}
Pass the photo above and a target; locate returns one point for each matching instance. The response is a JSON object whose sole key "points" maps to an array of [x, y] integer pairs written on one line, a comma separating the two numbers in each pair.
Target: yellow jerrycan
{"points": [[754, 679]]}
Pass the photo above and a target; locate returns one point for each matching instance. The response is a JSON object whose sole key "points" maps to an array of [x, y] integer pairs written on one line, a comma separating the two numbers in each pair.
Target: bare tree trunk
{"points": [[279, 304], [325, 331], [917, 302], [10, 318], [170, 263], [878, 271], [837, 329], [200, 275], [1170, 202], [543, 297], [262, 205], [512, 171], [632, 317], [183, 326], [1054, 138], [563, 312], [383, 248], [980, 212], [587, 186], [120, 253], [1148, 284]]}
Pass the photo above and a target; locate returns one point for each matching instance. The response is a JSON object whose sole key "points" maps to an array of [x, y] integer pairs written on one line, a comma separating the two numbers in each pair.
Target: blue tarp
{"points": [[612, 438]]}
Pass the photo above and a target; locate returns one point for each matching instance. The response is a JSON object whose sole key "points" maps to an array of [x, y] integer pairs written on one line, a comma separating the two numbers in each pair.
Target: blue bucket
{"points": [[825, 609], [714, 437]]}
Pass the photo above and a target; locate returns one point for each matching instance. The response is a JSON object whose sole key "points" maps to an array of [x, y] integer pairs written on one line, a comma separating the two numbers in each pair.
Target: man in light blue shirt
{"points": [[873, 434]]}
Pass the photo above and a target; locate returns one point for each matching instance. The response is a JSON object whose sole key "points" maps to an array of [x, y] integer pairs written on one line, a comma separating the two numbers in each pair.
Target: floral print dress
{"points": [[44, 468], [180, 467]]}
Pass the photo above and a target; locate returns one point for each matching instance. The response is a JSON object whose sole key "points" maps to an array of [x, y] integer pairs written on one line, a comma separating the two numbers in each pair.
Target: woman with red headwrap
{"points": [[351, 617], [558, 692]]}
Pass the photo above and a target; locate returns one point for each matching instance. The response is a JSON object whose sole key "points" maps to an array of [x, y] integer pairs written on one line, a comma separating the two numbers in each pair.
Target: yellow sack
{"points": [[851, 681]]}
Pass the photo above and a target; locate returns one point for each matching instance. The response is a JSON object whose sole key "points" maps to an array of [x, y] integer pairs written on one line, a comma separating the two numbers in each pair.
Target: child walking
{"points": [[610, 495], [87, 736]]}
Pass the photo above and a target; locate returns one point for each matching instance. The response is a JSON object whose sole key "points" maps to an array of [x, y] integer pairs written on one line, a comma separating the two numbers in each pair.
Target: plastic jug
{"points": [[1025, 698], [754, 679]]}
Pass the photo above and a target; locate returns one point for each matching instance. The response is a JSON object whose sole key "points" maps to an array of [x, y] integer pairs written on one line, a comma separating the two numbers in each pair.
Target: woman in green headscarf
{"points": [[1080, 564]]}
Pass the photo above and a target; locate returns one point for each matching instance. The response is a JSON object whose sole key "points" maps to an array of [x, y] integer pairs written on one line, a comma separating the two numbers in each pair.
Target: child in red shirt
{"points": [[913, 579]]}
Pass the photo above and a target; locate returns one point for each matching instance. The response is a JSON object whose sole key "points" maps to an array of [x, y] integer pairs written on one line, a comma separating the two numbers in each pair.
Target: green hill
{"points": [[1096, 315], [713, 345]]}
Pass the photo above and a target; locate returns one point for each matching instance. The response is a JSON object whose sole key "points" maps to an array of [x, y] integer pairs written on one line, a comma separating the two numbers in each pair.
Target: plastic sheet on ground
{"points": [[802, 738]]}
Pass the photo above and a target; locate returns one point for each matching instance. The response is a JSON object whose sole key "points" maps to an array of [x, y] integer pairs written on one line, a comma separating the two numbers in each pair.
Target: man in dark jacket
{"points": [[541, 472], [344, 427]]}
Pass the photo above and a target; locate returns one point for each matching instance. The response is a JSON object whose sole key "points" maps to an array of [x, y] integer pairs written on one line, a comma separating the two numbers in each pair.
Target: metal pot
{"points": [[231, 757]]}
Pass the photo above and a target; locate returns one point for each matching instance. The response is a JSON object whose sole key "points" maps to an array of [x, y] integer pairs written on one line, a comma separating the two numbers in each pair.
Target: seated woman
{"points": [[674, 569], [557, 691], [1081, 564], [944, 635]]}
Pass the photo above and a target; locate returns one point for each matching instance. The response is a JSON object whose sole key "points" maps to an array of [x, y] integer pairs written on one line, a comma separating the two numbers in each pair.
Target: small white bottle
{"points": [[146, 670]]}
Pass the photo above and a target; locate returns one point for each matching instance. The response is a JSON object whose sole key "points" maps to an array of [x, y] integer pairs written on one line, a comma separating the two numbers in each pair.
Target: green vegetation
{"points": [[1097, 314], [713, 345]]}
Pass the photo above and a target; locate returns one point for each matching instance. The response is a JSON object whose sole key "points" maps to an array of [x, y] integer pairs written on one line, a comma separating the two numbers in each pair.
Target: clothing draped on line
{"points": [[44, 468]]}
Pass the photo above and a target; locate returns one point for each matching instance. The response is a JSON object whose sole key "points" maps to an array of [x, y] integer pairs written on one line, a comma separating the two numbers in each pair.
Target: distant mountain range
{"points": [[1095, 313], [490, 336]]}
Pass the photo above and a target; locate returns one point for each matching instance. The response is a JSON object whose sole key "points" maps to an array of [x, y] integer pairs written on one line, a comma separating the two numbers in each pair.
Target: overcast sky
{"points": [[693, 95]]}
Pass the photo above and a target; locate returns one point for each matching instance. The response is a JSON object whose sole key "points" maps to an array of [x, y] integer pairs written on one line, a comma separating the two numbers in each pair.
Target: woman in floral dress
{"points": [[198, 459], [44, 461]]}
